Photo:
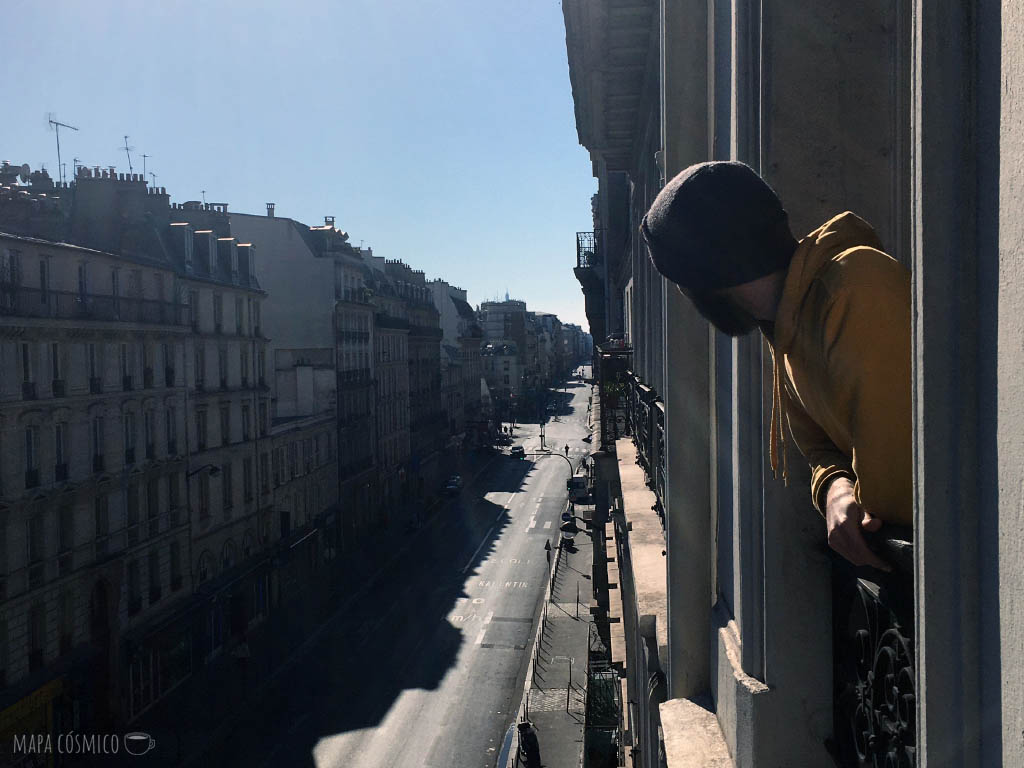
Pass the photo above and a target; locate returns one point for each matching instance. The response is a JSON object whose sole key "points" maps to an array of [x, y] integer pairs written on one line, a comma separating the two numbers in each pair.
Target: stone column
{"points": [[684, 99]]}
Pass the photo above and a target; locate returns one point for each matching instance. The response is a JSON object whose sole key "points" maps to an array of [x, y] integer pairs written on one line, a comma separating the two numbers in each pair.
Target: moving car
{"points": [[517, 451]]}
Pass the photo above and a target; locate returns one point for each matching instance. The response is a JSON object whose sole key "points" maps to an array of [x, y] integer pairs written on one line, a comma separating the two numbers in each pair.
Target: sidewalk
{"points": [[556, 687]]}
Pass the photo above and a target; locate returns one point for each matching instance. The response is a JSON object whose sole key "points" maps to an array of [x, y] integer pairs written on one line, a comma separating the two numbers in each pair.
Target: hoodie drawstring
{"points": [[777, 435]]}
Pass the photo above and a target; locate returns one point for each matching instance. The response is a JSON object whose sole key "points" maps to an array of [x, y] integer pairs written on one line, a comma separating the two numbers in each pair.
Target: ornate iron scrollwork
{"points": [[876, 694]]}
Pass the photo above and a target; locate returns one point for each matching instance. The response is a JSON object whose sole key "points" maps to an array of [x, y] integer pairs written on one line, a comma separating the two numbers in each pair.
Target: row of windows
{"points": [[108, 521], [85, 364], [227, 433], [36, 637], [52, 444], [391, 347], [133, 577], [225, 475], [300, 457], [35, 647], [246, 319], [246, 375], [92, 279], [391, 416]]}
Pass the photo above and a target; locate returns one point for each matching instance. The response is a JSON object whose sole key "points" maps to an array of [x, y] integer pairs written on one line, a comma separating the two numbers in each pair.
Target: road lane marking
{"points": [[489, 617], [480, 637], [473, 557], [547, 524], [533, 523]]}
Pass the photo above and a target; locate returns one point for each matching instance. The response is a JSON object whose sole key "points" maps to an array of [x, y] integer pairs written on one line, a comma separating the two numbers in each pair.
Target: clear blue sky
{"points": [[440, 132]]}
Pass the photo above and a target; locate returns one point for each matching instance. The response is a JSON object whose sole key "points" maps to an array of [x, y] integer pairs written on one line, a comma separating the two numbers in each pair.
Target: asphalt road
{"points": [[426, 669]]}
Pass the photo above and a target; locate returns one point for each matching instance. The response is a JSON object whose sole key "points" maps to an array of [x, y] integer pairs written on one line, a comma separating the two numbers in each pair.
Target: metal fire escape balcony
{"points": [[589, 261]]}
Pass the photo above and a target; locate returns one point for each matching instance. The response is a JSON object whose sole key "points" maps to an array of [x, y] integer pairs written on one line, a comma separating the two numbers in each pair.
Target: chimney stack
{"points": [[329, 221], [270, 210]]}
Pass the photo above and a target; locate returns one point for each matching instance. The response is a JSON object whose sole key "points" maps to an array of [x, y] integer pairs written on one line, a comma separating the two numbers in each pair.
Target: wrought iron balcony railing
{"points": [[588, 253], [20, 301], [875, 687]]}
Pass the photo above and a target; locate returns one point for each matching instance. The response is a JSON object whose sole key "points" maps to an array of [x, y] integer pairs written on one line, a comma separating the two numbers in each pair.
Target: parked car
{"points": [[518, 451], [577, 487], [453, 486]]}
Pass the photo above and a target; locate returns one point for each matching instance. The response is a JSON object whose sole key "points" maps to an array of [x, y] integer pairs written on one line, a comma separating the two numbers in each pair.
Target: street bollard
{"points": [[577, 600]]}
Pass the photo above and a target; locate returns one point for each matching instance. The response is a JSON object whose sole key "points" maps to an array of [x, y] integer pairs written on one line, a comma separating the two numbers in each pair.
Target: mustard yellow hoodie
{"points": [[841, 346]]}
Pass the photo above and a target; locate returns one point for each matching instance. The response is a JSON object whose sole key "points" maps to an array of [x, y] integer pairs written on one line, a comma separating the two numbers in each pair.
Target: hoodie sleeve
{"points": [[826, 461], [866, 349]]}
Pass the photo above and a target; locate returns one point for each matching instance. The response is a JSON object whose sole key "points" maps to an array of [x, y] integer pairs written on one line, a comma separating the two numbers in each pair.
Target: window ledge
{"points": [[692, 736]]}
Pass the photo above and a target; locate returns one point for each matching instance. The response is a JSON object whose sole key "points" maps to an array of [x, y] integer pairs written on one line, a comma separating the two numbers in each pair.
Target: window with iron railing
{"points": [[247, 478], [204, 497], [171, 423], [201, 430], [31, 457], [225, 425], [153, 505], [174, 498], [98, 443], [176, 579], [131, 512], [134, 588], [154, 575], [36, 637], [227, 489], [129, 438]]}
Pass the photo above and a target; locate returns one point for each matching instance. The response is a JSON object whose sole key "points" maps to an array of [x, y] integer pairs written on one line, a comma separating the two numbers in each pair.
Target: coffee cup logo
{"points": [[138, 743]]}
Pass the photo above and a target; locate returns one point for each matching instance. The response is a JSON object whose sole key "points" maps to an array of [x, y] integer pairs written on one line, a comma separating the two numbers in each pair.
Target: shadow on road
{"points": [[394, 639]]}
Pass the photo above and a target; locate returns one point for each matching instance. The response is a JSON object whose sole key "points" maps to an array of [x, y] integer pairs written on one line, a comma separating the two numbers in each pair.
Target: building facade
{"points": [[764, 649]]}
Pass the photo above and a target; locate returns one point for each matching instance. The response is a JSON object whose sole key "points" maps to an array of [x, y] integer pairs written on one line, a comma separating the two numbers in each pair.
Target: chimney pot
{"points": [[270, 210]]}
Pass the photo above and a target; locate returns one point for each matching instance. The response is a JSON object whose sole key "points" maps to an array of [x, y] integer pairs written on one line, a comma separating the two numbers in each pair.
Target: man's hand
{"points": [[845, 520]]}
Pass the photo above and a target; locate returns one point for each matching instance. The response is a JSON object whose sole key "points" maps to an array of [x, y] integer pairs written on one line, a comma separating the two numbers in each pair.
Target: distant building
{"points": [[462, 336], [322, 320]]}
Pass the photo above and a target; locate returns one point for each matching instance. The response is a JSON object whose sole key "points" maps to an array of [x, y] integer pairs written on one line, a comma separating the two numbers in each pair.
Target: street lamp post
{"points": [[572, 469]]}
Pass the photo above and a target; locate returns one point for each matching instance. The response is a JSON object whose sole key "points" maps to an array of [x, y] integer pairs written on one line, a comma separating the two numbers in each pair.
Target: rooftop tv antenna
{"points": [[128, 151], [153, 176], [204, 197], [56, 125], [144, 156], [75, 161]]}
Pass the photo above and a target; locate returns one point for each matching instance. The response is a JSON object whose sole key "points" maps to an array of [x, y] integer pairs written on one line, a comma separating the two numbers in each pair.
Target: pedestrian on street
{"points": [[566, 449], [835, 311], [529, 746], [547, 550]]}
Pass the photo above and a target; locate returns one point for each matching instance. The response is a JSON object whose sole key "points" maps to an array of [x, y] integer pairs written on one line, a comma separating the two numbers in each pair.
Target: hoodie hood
{"points": [[833, 238], [813, 254]]}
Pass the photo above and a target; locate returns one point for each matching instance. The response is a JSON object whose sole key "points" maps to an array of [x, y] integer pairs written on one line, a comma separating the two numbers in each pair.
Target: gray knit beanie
{"points": [[717, 225]]}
